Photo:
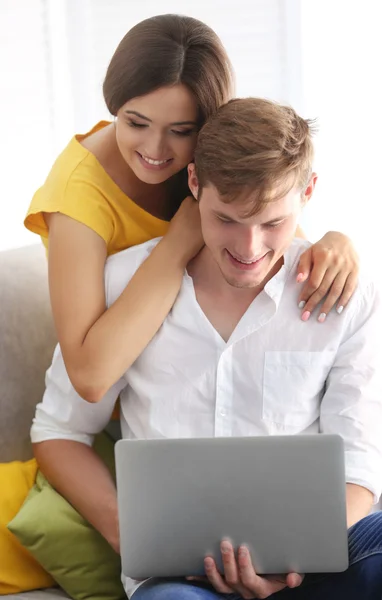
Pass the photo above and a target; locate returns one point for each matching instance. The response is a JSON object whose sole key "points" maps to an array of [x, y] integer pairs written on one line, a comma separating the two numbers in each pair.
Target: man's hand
{"points": [[240, 576]]}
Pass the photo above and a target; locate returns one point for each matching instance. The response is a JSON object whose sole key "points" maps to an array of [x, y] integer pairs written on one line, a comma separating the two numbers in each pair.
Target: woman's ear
{"points": [[193, 183]]}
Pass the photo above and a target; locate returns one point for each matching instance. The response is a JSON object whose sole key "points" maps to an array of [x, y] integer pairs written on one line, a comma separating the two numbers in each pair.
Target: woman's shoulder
{"points": [[76, 185], [76, 166]]}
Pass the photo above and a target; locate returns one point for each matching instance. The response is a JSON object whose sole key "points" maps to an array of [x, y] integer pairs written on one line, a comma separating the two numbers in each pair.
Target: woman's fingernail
{"points": [[302, 304], [322, 317], [340, 309], [225, 548], [305, 316], [243, 551], [300, 277]]}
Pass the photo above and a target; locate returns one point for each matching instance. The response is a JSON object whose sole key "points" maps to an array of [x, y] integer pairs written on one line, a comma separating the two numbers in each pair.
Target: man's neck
{"points": [[223, 304]]}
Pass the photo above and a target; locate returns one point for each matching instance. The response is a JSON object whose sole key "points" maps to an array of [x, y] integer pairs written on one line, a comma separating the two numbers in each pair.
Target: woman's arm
{"points": [[98, 346]]}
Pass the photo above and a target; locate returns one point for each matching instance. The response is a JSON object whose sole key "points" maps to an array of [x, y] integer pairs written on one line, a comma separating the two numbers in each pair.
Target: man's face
{"points": [[247, 249]]}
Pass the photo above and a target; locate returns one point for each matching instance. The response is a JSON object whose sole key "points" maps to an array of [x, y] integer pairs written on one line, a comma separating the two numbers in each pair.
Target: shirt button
{"points": [[223, 413]]}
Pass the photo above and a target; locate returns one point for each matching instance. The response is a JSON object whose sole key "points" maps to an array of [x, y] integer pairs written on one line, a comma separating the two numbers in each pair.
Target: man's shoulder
{"points": [[367, 293], [120, 268], [132, 255], [297, 247]]}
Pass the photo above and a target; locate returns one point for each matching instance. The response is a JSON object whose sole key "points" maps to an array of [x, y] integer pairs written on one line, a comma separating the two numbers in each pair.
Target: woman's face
{"points": [[156, 133]]}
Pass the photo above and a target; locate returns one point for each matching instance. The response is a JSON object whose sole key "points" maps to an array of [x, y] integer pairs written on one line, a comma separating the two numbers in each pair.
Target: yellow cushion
{"points": [[19, 571]]}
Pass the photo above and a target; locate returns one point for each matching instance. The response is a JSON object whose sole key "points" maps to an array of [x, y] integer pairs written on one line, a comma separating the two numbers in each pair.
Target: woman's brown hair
{"points": [[167, 50]]}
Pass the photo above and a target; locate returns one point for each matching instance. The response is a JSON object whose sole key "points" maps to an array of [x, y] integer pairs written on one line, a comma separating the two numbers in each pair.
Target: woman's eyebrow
{"points": [[137, 114]]}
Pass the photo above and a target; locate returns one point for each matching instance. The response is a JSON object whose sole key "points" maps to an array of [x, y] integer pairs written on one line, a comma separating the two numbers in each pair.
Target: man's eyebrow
{"points": [[137, 114], [276, 220], [222, 215]]}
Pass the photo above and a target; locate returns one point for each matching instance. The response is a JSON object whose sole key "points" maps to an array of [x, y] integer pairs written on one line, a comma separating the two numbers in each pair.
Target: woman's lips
{"points": [[154, 165]]}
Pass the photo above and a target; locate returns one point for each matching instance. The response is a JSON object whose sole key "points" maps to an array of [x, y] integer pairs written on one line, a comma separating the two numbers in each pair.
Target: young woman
{"points": [[122, 183]]}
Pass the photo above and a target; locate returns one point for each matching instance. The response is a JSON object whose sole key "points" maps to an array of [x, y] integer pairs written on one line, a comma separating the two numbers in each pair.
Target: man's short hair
{"points": [[256, 149]]}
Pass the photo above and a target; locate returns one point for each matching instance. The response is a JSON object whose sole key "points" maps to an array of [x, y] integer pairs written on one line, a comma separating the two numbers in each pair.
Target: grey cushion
{"points": [[27, 342]]}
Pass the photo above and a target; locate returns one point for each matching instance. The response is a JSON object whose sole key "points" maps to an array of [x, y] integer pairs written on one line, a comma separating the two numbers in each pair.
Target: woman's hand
{"points": [[330, 269]]}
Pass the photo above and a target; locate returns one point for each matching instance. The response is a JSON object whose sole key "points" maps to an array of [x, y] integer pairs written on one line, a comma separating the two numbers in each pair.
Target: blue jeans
{"points": [[361, 581]]}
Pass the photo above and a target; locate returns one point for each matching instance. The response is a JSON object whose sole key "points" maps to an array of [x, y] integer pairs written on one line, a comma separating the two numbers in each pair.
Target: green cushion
{"points": [[67, 546]]}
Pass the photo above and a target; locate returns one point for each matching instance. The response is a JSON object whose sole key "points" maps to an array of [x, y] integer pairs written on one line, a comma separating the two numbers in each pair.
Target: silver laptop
{"points": [[282, 496]]}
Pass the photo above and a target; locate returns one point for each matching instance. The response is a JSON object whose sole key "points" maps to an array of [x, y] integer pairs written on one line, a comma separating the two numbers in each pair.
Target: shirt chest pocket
{"points": [[293, 386]]}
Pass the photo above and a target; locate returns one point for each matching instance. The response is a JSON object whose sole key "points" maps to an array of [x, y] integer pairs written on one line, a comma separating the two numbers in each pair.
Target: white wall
{"points": [[26, 113], [342, 83]]}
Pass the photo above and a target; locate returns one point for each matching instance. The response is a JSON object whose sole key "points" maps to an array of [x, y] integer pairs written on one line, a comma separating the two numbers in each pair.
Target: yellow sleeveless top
{"points": [[79, 187]]}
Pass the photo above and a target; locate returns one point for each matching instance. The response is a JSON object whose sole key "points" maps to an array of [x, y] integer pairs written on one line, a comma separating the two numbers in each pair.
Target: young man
{"points": [[229, 360]]}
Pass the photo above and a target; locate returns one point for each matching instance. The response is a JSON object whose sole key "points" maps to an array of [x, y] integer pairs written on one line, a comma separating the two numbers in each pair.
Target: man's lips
{"points": [[245, 265]]}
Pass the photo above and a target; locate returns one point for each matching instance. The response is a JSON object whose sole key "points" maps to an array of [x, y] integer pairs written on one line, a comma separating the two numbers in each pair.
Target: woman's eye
{"points": [[183, 133], [137, 125]]}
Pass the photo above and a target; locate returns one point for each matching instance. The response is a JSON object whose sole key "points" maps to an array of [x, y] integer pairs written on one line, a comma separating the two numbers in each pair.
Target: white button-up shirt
{"points": [[275, 375]]}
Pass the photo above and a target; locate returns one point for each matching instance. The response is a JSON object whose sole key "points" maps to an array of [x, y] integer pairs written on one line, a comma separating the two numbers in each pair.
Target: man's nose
{"points": [[250, 242]]}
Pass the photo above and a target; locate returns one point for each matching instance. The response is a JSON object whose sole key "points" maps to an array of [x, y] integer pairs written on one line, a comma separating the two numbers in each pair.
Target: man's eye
{"points": [[273, 225]]}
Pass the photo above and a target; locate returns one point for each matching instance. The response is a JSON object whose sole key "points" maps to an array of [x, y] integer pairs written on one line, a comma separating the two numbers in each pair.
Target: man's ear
{"points": [[308, 192], [193, 183]]}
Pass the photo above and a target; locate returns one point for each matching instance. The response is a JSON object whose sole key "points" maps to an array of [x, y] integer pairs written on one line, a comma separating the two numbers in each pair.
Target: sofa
{"points": [[27, 341]]}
